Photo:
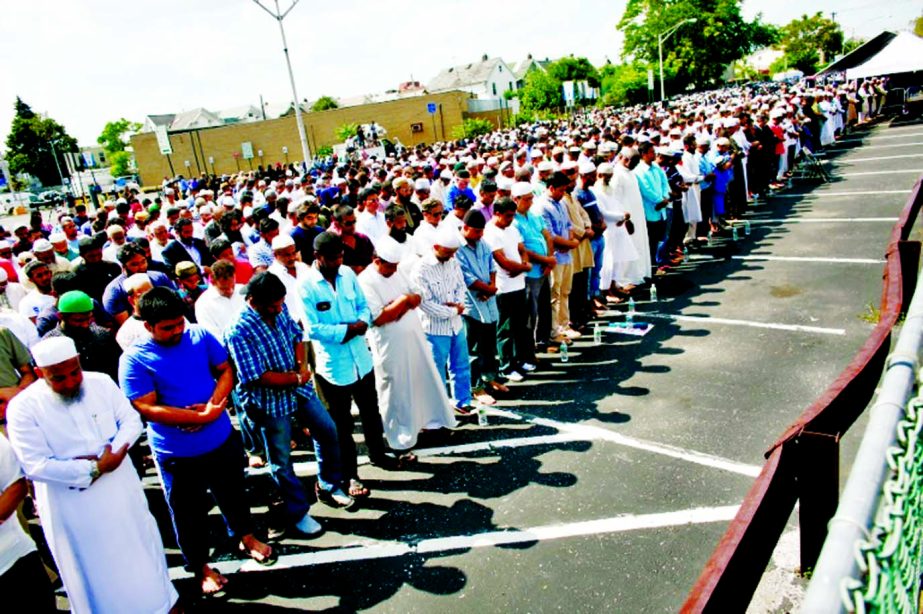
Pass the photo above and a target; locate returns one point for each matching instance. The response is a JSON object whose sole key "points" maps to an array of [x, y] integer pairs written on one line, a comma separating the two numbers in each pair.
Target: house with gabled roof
{"points": [[488, 78]]}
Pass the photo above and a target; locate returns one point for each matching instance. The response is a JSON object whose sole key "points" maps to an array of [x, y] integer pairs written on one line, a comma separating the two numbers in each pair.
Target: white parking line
{"points": [[916, 144], [832, 194], [824, 220], [857, 160], [731, 322], [882, 137], [909, 171], [490, 539], [811, 259]]}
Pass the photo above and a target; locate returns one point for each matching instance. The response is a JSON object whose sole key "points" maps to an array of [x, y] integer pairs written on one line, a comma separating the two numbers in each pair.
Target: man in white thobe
{"points": [[71, 432], [627, 195], [619, 248], [411, 395]]}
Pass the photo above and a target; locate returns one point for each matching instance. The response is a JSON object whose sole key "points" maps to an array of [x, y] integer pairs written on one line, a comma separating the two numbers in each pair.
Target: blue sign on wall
{"points": [[431, 108]]}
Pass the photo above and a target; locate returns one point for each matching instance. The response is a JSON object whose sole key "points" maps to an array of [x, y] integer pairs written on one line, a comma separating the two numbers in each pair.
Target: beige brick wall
{"points": [[271, 135]]}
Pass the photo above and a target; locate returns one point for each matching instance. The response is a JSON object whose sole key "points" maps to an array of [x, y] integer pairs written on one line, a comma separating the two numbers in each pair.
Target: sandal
{"points": [[357, 489], [265, 561], [406, 459]]}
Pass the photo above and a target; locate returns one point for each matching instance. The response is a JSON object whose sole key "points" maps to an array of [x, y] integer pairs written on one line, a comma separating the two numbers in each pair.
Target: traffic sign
{"points": [[163, 140], [431, 108], [247, 149]]}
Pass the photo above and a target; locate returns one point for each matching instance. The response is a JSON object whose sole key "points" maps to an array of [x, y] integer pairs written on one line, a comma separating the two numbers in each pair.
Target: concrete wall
{"points": [[271, 136]]}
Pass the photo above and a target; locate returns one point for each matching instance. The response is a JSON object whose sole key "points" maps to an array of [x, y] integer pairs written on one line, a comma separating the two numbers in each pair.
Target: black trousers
{"points": [[186, 484], [482, 350], [579, 301], [27, 584], [339, 400]]}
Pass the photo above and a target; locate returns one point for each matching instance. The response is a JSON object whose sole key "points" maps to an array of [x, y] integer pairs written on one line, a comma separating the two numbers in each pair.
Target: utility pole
{"points": [[660, 39], [279, 16]]}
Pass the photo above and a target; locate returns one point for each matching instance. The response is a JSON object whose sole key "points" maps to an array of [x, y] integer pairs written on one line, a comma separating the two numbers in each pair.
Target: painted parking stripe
{"points": [[732, 322], [834, 194], [882, 137], [857, 160], [890, 145], [824, 220], [909, 171], [489, 539], [811, 259]]}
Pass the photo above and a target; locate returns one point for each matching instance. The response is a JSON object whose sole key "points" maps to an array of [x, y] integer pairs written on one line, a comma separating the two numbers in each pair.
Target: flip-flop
{"points": [[357, 490], [268, 561]]}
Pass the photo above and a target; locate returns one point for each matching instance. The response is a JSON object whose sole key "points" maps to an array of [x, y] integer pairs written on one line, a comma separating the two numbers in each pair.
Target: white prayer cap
{"points": [[4, 244], [703, 140], [586, 167], [199, 201], [521, 188], [136, 282], [606, 168], [53, 351], [292, 208], [545, 166], [731, 122], [446, 174], [536, 153], [568, 164], [248, 212], [421, 184], [282, 241], [340, 181], [389, 250], [504, 184], [448, 237], [42, 245], [723, 141], [227, 201], [589, 145], [662, 151]]}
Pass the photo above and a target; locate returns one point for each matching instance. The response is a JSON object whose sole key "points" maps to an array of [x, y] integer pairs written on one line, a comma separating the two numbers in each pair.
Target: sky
{"points": [[88, 62]]}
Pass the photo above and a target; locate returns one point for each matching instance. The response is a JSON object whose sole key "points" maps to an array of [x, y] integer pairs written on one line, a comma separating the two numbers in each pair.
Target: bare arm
{"points": [[11, 497]]}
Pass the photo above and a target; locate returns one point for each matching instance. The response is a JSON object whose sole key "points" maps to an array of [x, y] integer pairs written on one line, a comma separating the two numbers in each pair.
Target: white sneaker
{"points": [[309, 526], [528, 367], [570, 333], [514, 376]]}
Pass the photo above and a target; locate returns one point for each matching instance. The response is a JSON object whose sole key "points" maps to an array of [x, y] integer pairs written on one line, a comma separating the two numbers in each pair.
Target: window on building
{"points": [[494, 85]]}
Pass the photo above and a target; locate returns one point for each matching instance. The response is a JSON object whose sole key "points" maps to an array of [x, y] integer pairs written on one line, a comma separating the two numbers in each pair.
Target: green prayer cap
{"points": [[75, 301]]}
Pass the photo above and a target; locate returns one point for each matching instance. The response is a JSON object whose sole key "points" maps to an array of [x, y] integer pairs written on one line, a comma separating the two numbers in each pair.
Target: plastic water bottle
{"points": [[482, 415], [734, 235], [597, 334], [564, 356], [709, 238], [685, 252], [747, 228], [653, 293], [630, 316]]}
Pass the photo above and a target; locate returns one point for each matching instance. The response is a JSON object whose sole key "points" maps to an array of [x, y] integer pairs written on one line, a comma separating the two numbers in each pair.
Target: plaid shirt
{"points": [[256, 348]]}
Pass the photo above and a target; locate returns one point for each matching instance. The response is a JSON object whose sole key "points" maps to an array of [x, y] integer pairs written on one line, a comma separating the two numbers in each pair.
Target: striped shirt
{"points": [[439, 283]]}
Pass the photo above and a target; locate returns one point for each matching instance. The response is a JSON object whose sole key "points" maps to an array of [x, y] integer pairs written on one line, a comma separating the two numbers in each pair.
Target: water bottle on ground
{"points": [[653, 293], [630, 316], [482, 415], [564, 356], [734, 235], [747, 228], [597, 334], [685, 252]]}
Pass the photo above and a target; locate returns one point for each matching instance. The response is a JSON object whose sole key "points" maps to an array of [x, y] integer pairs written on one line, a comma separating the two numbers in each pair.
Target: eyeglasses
{"points": [[348, 223]]}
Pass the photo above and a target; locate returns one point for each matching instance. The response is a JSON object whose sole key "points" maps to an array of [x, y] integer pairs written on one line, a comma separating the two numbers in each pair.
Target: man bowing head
{"points": [[71, 431]]}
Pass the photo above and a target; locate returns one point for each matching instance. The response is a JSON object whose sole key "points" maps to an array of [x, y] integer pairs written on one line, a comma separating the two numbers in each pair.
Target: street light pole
{"points": [[279, 16], [54, 154], [660, 39]]}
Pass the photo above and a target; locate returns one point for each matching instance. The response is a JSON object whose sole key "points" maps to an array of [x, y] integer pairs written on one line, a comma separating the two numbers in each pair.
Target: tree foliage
{"points": [[623, 84], [471, 128], [119, 163], [114, 137], [697, 53], [574, 69], [325, 103], [29, 145], [918, 26], [852, 44], [346, 131], [811, 42], [541, 92]]}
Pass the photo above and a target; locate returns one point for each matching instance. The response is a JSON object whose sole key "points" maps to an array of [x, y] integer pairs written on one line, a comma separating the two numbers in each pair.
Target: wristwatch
{"points": [[94, 471]]}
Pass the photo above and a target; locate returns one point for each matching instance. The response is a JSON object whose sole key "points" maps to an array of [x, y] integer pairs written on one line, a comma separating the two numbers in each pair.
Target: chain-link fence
{"points": [[890, 560]]}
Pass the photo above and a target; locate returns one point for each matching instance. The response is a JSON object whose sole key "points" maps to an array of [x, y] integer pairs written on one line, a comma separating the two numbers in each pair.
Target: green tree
{"points": [[541, 92], [29, 145], [472, 127], [918, 26], [852, 44], [120, 163], [346, 131], [325, 103], [811, 42], [574, 69], [114, 137], [697, 53], [623, 84]]}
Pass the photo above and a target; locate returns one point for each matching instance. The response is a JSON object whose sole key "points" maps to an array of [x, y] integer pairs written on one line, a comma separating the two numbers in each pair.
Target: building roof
{"points": [[464, 75], [523, 67], [241, 113], [195, 118], [860, 54], [165, 119], [902, 54]]}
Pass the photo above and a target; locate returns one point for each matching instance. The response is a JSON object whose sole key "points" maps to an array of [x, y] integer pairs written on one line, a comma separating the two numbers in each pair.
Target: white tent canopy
{"points": [[903, 54]]}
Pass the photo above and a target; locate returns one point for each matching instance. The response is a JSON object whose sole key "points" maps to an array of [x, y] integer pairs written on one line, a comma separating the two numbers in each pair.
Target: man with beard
{"points": [[71, 431], [94, 273], [97, 348], [186, 248], [179, 380], [403, 197], [133, 260], [33, 302]]}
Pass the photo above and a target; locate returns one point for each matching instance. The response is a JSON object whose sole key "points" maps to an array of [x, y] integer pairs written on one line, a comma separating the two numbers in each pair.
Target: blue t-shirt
{"points": [[182, 376], [531, 226], [115, 298]]}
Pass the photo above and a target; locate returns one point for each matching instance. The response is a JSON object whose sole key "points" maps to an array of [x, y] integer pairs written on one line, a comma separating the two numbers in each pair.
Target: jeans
{"points": [[186, 484], [514, 339], [538, 303], [599, 248], [339, 401], [663, 241], [482, 350], [452, 350], [276, 435]]}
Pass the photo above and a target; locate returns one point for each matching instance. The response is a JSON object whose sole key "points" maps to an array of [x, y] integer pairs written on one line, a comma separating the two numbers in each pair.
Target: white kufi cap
{"points": [[53, 351]]}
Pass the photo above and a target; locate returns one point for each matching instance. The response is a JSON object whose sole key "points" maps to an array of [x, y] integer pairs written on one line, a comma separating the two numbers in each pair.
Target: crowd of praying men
{"points": [[414, 288]]}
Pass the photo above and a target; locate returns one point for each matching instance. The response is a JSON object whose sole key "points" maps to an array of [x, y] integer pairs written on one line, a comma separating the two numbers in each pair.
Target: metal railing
{"points": [[871, 559], [803, 465]]}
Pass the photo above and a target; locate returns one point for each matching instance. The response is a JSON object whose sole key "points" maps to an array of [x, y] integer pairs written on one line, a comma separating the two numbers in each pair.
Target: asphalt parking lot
{"points": [[603, 484]]}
